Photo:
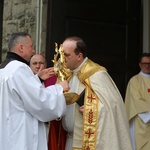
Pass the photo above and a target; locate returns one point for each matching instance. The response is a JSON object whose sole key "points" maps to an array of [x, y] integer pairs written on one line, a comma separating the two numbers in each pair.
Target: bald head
{"points": [[37, 63]]}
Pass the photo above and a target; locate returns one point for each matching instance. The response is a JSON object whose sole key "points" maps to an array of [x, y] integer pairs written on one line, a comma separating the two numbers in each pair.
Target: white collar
{"points": [[144, 74]]}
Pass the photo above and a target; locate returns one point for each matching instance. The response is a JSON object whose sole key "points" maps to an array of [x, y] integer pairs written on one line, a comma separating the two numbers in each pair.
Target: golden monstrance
{"points": [[62, 72]]}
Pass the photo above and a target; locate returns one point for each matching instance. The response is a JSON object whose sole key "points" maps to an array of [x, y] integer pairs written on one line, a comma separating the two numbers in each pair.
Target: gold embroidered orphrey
{"points": [[90, 119], [91, 104], [63, 73]]}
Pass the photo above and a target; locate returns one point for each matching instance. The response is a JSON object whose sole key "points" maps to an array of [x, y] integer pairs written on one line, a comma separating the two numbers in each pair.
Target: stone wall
{"points": [[24, 16]]}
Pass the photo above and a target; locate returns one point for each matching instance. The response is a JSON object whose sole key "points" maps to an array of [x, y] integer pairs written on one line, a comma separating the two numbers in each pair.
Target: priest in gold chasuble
{"points": [[98, 120], [137, 102]]}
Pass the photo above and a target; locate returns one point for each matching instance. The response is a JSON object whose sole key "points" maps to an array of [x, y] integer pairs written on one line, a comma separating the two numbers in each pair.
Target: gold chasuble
{"points": [[104, 121]]}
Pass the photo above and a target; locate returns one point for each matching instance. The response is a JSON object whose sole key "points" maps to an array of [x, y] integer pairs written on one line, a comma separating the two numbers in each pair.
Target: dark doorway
{"points": [[112, 30], [1, 23]]}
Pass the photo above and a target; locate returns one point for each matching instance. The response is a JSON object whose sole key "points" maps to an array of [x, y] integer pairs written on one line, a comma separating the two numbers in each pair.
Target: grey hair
{"points": [[13, 40]]}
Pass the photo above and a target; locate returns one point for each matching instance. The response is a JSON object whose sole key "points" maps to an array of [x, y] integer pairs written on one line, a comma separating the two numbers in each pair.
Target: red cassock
{"points": [[57, 135]]}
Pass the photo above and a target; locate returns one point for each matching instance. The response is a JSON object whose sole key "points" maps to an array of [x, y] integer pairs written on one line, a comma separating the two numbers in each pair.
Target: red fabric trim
{"points": [[57, 136]]}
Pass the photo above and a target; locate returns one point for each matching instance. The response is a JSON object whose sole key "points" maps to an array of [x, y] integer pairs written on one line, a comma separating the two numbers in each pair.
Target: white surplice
{"points": [[25, 104]]}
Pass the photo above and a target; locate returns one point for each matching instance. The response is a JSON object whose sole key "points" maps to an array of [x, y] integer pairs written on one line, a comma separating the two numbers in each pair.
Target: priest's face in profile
{"points": [[145, 65], [73, 60]]}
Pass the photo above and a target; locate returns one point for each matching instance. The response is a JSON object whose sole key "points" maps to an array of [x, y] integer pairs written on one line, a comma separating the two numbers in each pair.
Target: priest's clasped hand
{"points": [[81, 109]]}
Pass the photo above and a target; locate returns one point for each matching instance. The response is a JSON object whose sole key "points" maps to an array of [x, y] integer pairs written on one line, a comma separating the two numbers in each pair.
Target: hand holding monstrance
{"points": [[62, 72]]}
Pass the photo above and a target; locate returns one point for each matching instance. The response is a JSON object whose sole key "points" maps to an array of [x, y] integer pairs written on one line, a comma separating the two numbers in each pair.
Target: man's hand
{"points": [[81, 109], [65, 85], [46, 73]]}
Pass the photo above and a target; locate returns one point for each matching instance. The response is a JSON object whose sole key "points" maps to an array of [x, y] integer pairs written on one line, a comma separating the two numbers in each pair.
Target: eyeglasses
{"points": [[40, 63], [145, 64]]}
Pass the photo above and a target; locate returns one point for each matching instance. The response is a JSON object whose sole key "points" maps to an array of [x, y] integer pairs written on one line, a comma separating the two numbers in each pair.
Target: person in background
{"points": [[25, 104], [38, 63], [56, 132], [100, 121], [137, 102]]}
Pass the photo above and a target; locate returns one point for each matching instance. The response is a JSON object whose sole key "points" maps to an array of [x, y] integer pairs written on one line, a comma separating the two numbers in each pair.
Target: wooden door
{"points": [[111, 30]]}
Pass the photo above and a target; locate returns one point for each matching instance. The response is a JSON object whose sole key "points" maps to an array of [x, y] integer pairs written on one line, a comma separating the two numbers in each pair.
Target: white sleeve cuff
{"points": [[145, 117]]}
